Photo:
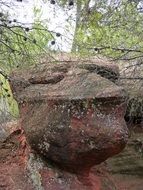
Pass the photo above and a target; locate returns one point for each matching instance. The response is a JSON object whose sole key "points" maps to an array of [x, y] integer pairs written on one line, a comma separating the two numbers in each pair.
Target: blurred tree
{"points": [[110, 28]]}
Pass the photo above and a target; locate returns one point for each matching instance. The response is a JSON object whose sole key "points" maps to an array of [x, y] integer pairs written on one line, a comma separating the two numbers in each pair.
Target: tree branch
{"points": [[4, 75]]}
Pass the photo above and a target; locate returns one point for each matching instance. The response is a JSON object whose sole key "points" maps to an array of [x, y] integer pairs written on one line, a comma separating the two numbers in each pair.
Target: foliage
{"points": [[6, 96], [20, 46], [114, 30]]}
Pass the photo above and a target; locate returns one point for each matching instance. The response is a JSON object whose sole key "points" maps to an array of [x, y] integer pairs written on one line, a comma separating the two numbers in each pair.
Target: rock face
{"points": [[13, 173], [21, 169], [72, 114], [127, 167]]}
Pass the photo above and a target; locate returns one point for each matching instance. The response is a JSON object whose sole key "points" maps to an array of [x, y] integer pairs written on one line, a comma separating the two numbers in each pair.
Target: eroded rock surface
{"points": [[22, 169], [127, 167], [72, 114]]}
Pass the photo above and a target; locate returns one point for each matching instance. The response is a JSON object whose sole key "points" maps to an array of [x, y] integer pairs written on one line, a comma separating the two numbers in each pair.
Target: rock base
{"points": [[20, 168]]}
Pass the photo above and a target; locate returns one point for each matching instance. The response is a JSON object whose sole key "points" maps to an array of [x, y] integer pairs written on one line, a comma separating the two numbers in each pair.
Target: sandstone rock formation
{"points": [[127, 167], [72, 114], [21, 169]]}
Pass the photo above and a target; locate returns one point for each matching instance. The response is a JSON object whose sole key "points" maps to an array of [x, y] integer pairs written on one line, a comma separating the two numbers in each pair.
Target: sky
{"points": [[56, 18]]}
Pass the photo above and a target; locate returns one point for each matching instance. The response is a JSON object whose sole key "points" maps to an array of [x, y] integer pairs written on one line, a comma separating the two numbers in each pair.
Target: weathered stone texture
{"points": [[71, 114]]}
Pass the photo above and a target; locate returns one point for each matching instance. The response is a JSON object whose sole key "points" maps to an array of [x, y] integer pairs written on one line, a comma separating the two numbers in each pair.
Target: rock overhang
{"points": [[83, 86]]}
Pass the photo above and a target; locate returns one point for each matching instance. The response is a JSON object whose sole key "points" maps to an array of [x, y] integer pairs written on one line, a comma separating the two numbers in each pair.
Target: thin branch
{"points": [[132, 78], [4, 74], [129, 59], [116, 49], [13, 50]]}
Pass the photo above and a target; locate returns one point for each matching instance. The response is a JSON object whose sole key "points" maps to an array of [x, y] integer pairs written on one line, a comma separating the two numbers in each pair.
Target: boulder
{"points": [[72, 114]]}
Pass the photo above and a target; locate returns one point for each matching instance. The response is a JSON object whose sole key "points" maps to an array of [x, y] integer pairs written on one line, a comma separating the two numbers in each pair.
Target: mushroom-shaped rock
{"points": [[71, 116]]}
